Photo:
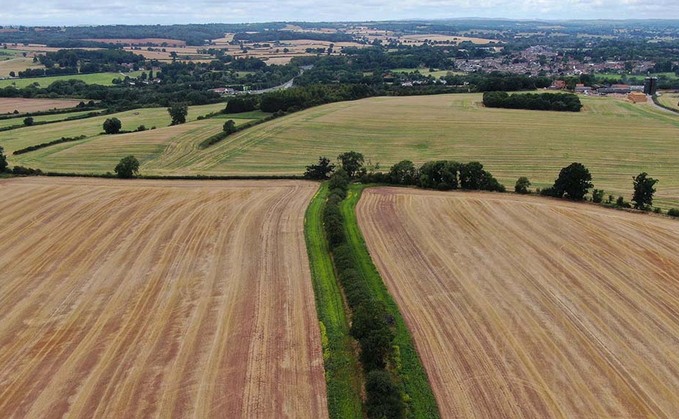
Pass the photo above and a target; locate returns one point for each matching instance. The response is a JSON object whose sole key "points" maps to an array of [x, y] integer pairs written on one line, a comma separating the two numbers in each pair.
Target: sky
{"points": [[88, 12]]}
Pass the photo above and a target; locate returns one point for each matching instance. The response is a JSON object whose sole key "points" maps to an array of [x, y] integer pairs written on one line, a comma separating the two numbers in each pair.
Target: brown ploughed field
{"points": [[9, 105], [153, 298], [529, 307]]}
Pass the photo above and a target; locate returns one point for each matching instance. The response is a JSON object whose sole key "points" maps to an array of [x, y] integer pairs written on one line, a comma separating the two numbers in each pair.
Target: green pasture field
{"points": [[104, 79], [669, 99], [43, 118], [615, 139], [99, 153]]}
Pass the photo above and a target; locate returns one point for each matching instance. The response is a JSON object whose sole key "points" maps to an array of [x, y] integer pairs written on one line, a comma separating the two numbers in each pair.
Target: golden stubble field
{"points": [[157, 299], [529, 307]]}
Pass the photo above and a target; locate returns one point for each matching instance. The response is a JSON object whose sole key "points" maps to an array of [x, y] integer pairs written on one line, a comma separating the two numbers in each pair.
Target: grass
{"points": [[669, 99], [104, 79], [342, 370], [422, 403]]}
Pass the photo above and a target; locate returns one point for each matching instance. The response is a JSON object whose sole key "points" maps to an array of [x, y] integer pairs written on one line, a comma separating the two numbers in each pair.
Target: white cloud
{"points": [[201, 11]]}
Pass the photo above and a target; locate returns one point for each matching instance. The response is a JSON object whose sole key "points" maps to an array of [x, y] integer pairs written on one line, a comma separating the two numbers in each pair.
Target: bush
{"points": [[28, 121], [673, 212], [522, 185], [597, 196], [383, 398], [657, 210]]}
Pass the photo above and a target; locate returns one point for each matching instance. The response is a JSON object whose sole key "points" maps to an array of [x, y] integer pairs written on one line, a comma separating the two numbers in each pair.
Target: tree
{"points": [[229, 126], [178, 112], [112, 125], [383, 398], [319, 171], [403, 173], [127, 168], [28, 121], [522, 185], [643, 191], [3, 160], [352, 163], [574, 181]]}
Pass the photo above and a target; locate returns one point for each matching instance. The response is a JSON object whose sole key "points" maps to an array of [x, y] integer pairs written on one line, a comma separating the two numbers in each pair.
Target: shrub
{"points": [[597, 196], [383, 398], [112, 125], [127, 168], [522, 185], [657, 210], [673, 212]]}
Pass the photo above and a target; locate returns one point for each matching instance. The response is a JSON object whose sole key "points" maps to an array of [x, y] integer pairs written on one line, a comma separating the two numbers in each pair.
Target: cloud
{"points": [[79, 12]]}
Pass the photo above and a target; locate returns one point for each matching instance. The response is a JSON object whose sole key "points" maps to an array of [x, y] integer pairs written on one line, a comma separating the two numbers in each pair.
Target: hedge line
{"points": [[48, 144]]}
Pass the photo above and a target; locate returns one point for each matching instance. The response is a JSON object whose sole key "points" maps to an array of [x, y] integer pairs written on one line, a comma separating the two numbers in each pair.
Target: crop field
{"points": [[157, 299], [669, 99], [615, 139], [99, 153], [527, 307], [11, 104], [104, 79], [19, 120], [16, 65]]}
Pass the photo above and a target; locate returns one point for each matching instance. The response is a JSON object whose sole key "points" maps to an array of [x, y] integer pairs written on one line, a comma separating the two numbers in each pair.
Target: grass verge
{"points": [[420, 398], [342, 370]]}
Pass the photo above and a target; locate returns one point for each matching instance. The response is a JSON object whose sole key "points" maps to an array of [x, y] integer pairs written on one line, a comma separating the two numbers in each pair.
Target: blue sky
{"points": [[80, 12]]}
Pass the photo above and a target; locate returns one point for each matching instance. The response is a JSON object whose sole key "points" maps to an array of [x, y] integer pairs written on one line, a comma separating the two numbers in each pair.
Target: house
{"points": [[558, 85], [224, 91], [581, 88]]}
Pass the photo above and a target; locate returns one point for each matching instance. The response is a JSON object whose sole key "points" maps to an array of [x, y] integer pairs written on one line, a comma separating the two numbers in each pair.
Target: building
{"points": [[651, 85]]}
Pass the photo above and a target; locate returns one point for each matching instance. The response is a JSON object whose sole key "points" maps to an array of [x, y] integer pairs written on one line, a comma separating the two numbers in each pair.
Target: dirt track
{"points": [[157, 299], [528, 307]]}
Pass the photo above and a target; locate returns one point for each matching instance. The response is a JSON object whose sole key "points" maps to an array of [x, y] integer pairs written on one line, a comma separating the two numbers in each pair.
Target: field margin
{"points": [[420, 397], [342, 369]]}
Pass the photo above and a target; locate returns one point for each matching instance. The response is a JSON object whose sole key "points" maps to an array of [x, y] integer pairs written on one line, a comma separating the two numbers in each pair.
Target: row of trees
{"points": [[536, 101], [372, 325], [440, 174]]}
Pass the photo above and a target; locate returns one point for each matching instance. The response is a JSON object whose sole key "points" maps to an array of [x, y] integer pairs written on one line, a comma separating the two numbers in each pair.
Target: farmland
{"points": [[526, 307], [615, 139], [150, 298], [9, 105], [99, 153], [104, 79], [16, 65]]}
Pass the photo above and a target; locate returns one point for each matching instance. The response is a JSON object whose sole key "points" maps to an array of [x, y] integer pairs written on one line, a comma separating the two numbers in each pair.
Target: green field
{"points": [[104, 79], [612, 137], [43, 118], [157, 148], [669, 99]]}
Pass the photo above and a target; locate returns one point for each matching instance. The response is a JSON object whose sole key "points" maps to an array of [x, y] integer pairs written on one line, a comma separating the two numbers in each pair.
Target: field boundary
{"points": [[342, 370], [420, 397]]}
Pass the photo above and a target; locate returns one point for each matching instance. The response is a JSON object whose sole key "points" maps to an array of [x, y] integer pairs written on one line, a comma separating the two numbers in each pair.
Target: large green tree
{"points": [[352, 163], [178, 112], [112, 125], [574, 181], [644, 188], [403, 173], [321, 170], [127, 168]]}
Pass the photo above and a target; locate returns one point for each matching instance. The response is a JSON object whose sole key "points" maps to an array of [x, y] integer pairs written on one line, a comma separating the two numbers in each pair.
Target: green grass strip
{"points": [[420, 398], [342, 369]]}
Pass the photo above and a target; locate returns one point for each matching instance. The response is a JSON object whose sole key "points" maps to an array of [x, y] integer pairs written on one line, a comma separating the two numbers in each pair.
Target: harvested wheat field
{"points": [[529, 307], [157, 299], [11, 104]]}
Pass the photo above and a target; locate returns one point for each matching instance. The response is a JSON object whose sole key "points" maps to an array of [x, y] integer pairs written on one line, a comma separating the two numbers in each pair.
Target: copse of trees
{"points": [[567, 102], [320, 170], [352, 163], [241, 104], [574, 182]]}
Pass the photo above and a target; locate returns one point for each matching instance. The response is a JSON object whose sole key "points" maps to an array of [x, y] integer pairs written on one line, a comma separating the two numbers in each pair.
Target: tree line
{"points": [[534, 101]]}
